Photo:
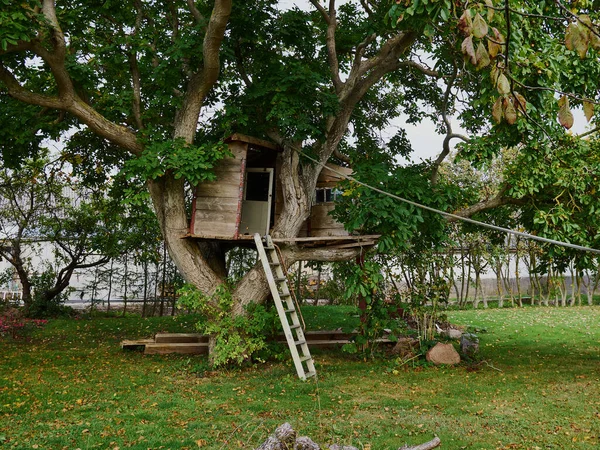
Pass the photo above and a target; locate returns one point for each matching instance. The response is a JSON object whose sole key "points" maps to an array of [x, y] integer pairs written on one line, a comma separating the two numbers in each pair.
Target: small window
{"points": [[327, 195], [257, 186]]}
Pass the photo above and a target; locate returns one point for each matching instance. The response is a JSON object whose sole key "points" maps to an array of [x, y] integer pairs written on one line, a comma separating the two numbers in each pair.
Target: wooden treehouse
{"points": [[246, 198], [240, 208]]}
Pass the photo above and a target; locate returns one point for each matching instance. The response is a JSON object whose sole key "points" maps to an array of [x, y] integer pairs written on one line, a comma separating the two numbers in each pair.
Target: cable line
{"points": [[450, 215]]}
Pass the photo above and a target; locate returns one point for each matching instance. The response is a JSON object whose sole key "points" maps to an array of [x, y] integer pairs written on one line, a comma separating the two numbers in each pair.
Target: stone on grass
{"points": [[443, 354], [405, 347], [453, 333], [305, 443], [469, 344]]}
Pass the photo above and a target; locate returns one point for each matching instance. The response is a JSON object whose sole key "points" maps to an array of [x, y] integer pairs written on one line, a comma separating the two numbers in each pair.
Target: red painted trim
{"points": [[238, 217]]}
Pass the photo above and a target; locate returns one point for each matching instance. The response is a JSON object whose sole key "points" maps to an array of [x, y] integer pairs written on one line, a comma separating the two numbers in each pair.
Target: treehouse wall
{"points": [[218, 203], [220, 206], [320, 222]]}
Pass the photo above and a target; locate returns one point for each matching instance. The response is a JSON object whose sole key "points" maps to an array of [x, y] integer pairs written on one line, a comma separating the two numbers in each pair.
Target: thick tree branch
{"points": [[137, 90], [18, 92], [322, 10], [360, 50], [334, 64], [449, 133], [201, 82], [239, 63], [198, 17], [331, 21], [339, 155], [499, 200], [421, 68]]}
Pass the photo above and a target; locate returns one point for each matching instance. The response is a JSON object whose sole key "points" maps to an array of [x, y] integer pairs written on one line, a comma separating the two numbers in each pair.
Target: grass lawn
{"points": [[69, 386]]}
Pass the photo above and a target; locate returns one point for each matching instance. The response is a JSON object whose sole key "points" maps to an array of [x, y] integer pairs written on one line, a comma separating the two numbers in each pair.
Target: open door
{"points": [[256, 206]]}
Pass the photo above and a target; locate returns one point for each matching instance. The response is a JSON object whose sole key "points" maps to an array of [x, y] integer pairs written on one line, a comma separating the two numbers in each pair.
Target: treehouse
{"points": [[246, 197]]}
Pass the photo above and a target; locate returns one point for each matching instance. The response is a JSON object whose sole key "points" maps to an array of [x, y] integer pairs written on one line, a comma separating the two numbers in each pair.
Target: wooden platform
{"points": [[197, 344], [333, 242]]}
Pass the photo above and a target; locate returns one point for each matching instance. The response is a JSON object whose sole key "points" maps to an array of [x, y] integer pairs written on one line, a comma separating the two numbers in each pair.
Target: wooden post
{"points": [[362, 303]]}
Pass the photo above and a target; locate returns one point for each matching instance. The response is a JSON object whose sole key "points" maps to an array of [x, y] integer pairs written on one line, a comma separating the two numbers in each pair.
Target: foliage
{"points": [[237, 338], [14, 324], [42, 307], [194, 163]]}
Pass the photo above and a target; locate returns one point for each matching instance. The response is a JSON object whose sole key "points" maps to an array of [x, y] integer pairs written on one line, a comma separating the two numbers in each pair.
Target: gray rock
{"points": [[405, 347], [305, 443], [286, 434], [453, 333], [272, 443], [443, 354], [469, 344]]}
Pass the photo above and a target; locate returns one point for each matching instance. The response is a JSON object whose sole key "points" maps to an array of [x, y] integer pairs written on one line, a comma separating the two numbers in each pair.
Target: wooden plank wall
{"points": [[217, 201], [322, 224]]}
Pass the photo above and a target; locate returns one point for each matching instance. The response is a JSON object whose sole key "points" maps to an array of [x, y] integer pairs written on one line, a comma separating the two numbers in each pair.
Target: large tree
{"points": [[164, 81]]}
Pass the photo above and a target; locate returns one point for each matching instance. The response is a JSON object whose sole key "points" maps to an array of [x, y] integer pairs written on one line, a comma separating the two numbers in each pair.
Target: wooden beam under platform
{"points": [[333, 242]]}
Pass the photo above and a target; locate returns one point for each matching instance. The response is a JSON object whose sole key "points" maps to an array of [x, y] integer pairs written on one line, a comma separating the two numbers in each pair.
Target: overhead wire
{"points": [[447, 214]]}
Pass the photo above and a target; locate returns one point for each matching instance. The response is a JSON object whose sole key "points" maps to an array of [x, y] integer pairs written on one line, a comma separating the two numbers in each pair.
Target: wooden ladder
{"points": [[285, 307]]}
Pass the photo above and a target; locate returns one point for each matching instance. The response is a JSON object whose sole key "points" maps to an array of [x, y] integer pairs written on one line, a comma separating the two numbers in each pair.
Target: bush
{"points": [[13, 323], [236, 339]]}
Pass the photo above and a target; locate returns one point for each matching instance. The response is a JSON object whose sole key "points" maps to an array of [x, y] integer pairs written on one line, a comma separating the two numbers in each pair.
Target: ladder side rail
{"points": [[280, 310]]}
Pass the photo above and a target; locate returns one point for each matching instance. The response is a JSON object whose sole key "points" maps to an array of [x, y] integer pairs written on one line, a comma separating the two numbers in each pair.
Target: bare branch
{"points": [[449, 133], [556, 91], [339, 155], [239, 62], [322, 10], [421, 68], [334, 65], [588, 133], [195, 12], [137, 90], [366, 7], [499, 200], [576, 17]]}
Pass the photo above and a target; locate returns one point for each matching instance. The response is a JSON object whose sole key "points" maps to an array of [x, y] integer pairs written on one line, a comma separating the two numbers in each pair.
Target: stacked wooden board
{"points": [[197, 344]]}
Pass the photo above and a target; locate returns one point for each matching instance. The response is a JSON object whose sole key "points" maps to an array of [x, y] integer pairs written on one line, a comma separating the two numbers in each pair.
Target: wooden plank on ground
{"points": [[165, 338], [132, 343], [189, 348]]}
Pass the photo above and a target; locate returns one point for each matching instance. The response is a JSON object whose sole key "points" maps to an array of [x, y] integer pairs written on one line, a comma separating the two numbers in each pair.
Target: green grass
{"points": [[70, 386]]}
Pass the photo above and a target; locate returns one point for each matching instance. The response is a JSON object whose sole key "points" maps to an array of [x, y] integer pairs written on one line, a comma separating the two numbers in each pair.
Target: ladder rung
{"points": [[289, 310], [305, 358], [280, 279], [310, 374], [274, 264], [293, 327], [300, 342], [284, 295]]}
